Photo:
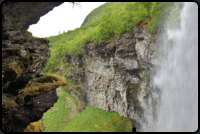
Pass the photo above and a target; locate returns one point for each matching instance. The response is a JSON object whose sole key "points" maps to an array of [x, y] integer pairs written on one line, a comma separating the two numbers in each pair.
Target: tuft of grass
{"points": [[97, 120], [56, 118]]}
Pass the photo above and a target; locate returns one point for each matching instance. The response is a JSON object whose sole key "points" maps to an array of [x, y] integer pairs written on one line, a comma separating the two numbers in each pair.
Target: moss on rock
{"points": [[12, 70], [36, 126], [145, 78], [41, 86], [44, 40], [44, 47], [7, 103]]}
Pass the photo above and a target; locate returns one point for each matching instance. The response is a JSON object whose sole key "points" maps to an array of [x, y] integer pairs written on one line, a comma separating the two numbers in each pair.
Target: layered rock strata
{"points": [[117, 76]]}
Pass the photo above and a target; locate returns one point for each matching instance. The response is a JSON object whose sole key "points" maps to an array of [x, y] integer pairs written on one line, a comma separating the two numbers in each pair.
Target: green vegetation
{"points": [[141, 68], [97, 120], [7, 103], [97, 12], [100, 26], [164, 15], [149, 40], [57, 118], [112, 18], [41, 39], [66, 116], [146, 78], [174, 19], [37, 126], [42, 85]]}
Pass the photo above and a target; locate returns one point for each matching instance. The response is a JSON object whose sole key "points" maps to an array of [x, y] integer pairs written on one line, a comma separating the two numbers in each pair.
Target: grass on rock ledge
{"points": [[66, 107], [97, 120], [66, 116]]}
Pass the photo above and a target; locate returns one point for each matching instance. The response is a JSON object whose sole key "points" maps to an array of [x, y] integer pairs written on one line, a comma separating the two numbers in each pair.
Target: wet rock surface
{"points": [[118, 76], [23, 59]]}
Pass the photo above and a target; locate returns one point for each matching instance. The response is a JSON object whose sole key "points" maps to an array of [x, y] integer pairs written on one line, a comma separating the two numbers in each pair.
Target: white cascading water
{"points": [[178, 76]]}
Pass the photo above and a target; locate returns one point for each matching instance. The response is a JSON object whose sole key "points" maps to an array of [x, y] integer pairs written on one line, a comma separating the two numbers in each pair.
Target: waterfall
{"points": [[178, 76]]}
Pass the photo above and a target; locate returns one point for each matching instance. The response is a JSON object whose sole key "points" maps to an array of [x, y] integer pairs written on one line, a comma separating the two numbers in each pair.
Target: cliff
{"points": [[26, 92], [117, 76]]}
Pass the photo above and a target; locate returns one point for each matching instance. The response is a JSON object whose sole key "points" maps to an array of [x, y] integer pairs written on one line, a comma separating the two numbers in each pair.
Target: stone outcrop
{"points": [[117, 76], [23, 59]]}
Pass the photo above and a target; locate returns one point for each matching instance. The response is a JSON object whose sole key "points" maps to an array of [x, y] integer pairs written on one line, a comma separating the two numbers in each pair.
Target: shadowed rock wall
{"points": [[23, 59]]}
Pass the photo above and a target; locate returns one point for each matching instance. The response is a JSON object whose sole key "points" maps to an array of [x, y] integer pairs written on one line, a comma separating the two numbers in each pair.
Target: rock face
{"points": [[23, 59], [118, 76]]}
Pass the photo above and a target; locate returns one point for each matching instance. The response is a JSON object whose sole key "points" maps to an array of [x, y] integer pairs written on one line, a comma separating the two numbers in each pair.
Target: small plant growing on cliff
{"points": [[149, 40], [146, 78], [141, 68]]}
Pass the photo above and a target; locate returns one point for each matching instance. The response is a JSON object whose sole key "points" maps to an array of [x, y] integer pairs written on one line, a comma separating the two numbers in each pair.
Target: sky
{"points": [[62, 18]]}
